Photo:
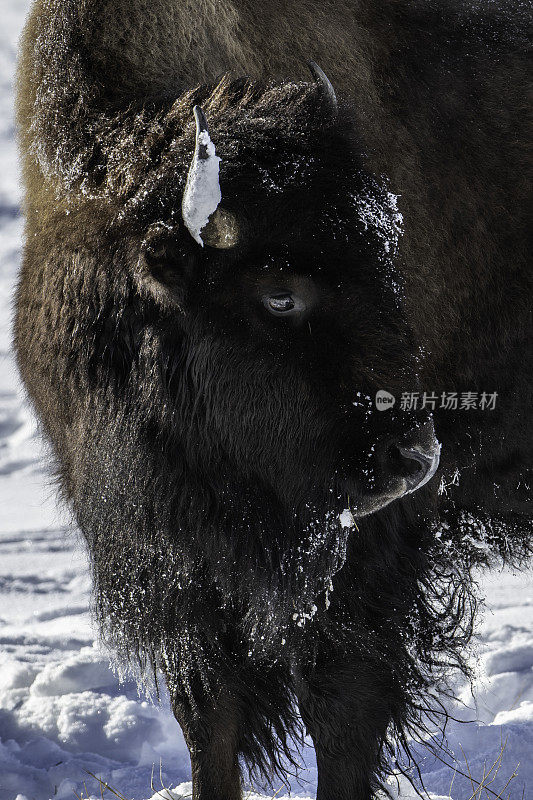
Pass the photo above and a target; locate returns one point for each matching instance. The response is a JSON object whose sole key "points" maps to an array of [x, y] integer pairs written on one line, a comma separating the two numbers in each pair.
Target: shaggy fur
{"points": [[207, 448]]}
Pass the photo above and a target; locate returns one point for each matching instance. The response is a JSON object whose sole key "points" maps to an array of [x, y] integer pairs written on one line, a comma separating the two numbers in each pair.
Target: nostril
{"points": [[410, 461], [414, 465], [406, 463]]}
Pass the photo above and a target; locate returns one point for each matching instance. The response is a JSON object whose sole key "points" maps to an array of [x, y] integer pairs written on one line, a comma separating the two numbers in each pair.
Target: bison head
{"points": [[283, 304]]}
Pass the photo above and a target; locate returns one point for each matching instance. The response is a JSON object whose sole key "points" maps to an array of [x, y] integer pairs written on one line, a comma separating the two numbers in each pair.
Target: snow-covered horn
{"points": [[202, 194], [205, 220], [320, 77]]}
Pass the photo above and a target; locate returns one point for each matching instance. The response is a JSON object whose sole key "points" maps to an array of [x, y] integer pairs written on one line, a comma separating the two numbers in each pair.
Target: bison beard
{"points": [[207, 450], [233, 618]]}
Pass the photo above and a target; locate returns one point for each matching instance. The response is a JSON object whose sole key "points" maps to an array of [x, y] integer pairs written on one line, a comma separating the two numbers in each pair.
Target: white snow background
{"points": [[63, 712]]}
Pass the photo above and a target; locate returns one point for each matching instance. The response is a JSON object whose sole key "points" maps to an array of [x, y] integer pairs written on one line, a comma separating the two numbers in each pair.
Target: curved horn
{"points": [[202, 194], [320, 77]]}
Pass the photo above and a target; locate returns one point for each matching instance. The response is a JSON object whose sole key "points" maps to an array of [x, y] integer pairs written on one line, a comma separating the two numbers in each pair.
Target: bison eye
{"points": [[282, 304]]}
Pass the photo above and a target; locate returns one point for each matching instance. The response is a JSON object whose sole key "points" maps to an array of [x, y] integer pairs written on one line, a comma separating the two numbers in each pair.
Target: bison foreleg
{"points": [[346, 711], [211, 734]]}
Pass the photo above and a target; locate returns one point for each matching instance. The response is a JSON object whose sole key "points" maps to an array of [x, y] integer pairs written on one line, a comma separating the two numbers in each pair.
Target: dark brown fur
{"points": [[125, 354]]}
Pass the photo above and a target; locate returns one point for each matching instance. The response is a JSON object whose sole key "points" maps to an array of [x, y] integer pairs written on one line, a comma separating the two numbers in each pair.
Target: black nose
{"points": [[413, 463]]}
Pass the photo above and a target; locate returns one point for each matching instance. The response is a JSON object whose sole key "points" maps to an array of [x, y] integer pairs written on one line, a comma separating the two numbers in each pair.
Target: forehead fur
{"points": [[274, 140]]}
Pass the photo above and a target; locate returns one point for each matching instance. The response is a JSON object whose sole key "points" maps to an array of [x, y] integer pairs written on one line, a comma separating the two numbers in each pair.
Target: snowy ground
{"points": [[63, 713]]}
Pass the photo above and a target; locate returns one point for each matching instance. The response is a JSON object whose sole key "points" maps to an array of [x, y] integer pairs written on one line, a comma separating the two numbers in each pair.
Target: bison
{"points": [[219, 285]]}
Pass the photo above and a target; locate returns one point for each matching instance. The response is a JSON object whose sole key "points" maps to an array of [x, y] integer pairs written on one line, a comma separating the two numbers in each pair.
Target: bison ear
{"points": [[161, 267]]}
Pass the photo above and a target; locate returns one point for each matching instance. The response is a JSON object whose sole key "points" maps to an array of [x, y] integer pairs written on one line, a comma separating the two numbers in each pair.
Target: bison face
{"points": [[286, 343], [283, 319], [286, 339]]}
